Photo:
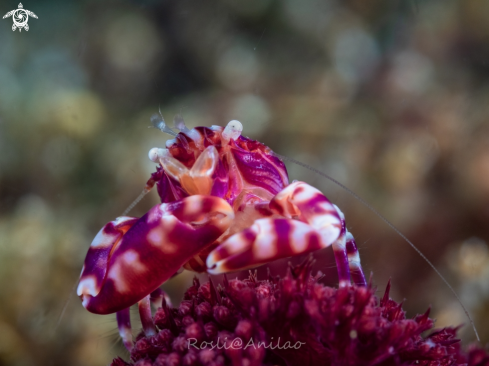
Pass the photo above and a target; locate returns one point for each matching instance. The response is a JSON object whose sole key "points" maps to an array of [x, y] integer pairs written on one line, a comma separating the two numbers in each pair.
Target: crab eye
{"points": [[232, 131], [155, 154]]}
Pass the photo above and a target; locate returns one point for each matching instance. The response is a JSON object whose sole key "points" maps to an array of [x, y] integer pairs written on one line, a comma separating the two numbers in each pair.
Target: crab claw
{"points": [[137, 262], [95, 267], [266, 240], [310, 222]]}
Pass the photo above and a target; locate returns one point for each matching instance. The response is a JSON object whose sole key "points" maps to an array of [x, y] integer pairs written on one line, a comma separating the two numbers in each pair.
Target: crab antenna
{"points": [[179, 123], [65, 306], [392, 226], [135, 202], [158, 122]]}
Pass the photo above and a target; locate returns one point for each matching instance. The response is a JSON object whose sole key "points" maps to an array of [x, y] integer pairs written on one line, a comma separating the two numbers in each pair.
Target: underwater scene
{"points": [[244, 182]]}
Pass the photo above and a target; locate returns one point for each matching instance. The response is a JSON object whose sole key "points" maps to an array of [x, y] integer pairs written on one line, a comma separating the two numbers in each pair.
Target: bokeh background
{"points": [[390, 97]]}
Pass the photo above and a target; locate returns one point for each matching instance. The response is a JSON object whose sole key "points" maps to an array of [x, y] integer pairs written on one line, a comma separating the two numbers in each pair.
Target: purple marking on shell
{"points": [[248, 235], [180, 149], [209, 136], [168, 188], [291, 233], [247, 143], [315, 205], [278, 163], [257, 170], [283, 230], [313, 241], [241, 261], [276, 207]]}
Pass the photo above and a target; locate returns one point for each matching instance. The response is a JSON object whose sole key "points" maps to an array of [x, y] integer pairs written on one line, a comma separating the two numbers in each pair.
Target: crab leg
{"points": [[124, 319], [349, 252], [354, 261], [146, 318], [124, 325], [341, 258], [341, 254], [157, 297], [311, 222]]}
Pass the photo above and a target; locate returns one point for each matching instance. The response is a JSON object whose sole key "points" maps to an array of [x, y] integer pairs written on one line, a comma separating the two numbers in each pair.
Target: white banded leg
{"points": [[346, 254], [356, 271], [124, 324]]}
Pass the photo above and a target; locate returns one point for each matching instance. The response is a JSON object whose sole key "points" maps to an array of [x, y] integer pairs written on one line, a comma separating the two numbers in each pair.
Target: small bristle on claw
{"points": [[158, 122]]}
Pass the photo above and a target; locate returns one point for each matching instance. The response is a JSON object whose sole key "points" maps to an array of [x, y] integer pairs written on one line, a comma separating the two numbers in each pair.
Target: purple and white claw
{"points": [[266, 240], [310, 223], [96, 262], [151, 251]]}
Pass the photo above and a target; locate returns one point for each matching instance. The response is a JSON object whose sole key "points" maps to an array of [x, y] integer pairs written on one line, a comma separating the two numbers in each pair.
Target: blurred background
{"points": [[390, 97]]}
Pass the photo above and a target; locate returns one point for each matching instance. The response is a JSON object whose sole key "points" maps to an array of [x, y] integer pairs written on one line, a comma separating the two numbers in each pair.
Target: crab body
{"points": [[226, 205]]}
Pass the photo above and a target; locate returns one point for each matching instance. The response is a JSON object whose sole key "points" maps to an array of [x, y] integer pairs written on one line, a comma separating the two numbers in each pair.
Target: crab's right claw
{"points": [[309, 222], [133, 264]]}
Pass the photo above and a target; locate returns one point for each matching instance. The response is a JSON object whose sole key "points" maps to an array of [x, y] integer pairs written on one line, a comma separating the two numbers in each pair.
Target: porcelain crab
{"points": [[227, 205]]}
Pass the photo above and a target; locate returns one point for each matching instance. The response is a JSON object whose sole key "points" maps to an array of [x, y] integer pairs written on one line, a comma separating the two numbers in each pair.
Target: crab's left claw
{"points": [[309, 221], [123, 268], [96, 262]]}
